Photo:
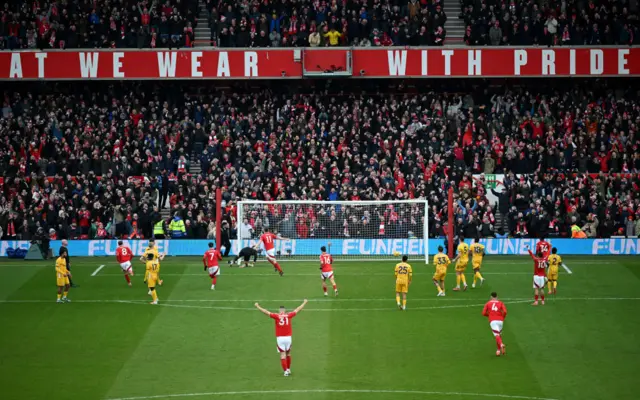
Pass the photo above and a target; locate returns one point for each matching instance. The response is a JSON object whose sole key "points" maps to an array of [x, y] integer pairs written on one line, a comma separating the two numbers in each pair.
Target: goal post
{"points": [[350, 230]]}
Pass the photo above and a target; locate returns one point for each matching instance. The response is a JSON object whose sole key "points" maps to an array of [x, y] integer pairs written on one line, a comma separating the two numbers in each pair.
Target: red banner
{"points": [[288, 63]]}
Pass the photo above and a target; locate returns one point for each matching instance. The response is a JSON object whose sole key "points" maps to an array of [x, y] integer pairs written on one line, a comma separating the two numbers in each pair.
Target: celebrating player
{"points": [[477, 255], [441, 261], [462, 260], [153, 269], [539, 275], [404, 273], [543, 247], [124, 256], [497, 312], [62, 276], [283, 333], [267, 240], [554, 261], [246, 254], [327, 271], [210, 261], [151, 254]]}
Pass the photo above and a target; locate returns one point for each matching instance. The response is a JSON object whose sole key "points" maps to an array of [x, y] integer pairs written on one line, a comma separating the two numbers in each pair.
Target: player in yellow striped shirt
{"points": [[404, 273], [441, 261], [62, 277], [555, 261], [477, 255], [461, 260]]}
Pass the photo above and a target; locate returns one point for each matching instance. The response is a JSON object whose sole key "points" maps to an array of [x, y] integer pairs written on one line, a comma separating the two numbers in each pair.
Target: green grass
{"points": [[109, 343]]}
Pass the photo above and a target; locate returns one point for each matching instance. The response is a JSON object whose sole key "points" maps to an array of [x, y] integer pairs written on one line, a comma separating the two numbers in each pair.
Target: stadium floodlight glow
{"points": [[351, 230]]}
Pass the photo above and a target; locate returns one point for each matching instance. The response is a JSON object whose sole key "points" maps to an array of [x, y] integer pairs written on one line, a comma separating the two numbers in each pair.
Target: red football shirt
{"points": [[544, 247], [211, 258], [123, 254], [325, 262], [267, 240], [495, 310], [283, 323], [539, 265]]}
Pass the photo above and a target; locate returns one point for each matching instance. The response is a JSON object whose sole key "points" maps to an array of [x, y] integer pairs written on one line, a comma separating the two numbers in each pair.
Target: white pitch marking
{"points": [[294, 391], [567, 268], [97, 270]]}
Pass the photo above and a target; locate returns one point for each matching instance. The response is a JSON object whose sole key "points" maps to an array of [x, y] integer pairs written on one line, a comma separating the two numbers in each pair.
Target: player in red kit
{"points": [[327, 271], [539, 275], [283, 333], [496, 311], [124, 256], [210, 261], [543, 247], [268, 239]]}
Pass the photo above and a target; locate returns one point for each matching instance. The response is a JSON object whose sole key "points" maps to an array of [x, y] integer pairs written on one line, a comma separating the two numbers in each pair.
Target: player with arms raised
{"points": [[404, 274], [327, 271], [441, 261], [555, 261], [267, 240], [461, 260], [210, 260], [283, 333], [124, 256], [543, 247], [477, 255], [496, 311], [539, 275]]}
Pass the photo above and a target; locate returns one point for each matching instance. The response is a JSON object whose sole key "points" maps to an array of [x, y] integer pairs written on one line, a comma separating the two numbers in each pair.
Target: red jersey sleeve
{"points": [[274, 316], [292, 314]]}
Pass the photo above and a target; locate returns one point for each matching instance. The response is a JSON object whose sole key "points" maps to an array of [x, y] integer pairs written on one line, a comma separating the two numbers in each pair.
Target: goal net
{"points": [[350, 230]]}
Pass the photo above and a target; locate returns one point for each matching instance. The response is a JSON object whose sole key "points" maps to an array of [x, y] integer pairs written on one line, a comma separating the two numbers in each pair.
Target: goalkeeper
{"points": [[246, 255]]}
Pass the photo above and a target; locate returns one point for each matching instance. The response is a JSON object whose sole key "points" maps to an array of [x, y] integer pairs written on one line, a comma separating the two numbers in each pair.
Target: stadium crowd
{"points": [[69, 24], [104, 159], [550, 23]]}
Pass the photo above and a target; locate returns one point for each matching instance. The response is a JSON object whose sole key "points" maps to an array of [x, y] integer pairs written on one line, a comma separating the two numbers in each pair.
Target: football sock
{"points": [[126, 276], [154, 295], [555, 284], [404, 303], [324, 289], [536, 297], [542, 295], [283, 362], [288, 362], [458, 280], [549, 285], [477, 276], [499, 341], [464, 280], [59, 295], [214, 280], [65, 294], [398, 298], [335, 287], [277, 267]]}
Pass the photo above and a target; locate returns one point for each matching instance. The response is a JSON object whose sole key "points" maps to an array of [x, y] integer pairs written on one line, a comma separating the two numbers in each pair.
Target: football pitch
{"points": [[110, 343]]}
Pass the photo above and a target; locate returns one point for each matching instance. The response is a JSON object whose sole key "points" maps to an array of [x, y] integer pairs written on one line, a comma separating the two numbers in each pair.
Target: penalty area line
{"points": [[97, 270], [302, 391], [566, 268]]}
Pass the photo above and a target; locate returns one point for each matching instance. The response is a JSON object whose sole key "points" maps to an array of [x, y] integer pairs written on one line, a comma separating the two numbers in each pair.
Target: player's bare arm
{"points": [[301, 306], [264, 311]]}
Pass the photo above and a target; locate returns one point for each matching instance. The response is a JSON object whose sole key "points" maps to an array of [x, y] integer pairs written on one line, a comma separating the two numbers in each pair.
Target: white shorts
{"points": [[214, 271], [538, 282], [271, 253], [284, 343], [496, 327], [126, 266], [326, 275]]}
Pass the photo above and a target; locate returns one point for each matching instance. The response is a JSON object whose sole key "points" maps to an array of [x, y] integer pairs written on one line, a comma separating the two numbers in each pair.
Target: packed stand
{"points": [[552, 23], [321, 23], [71, 24], [104, 159]]}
